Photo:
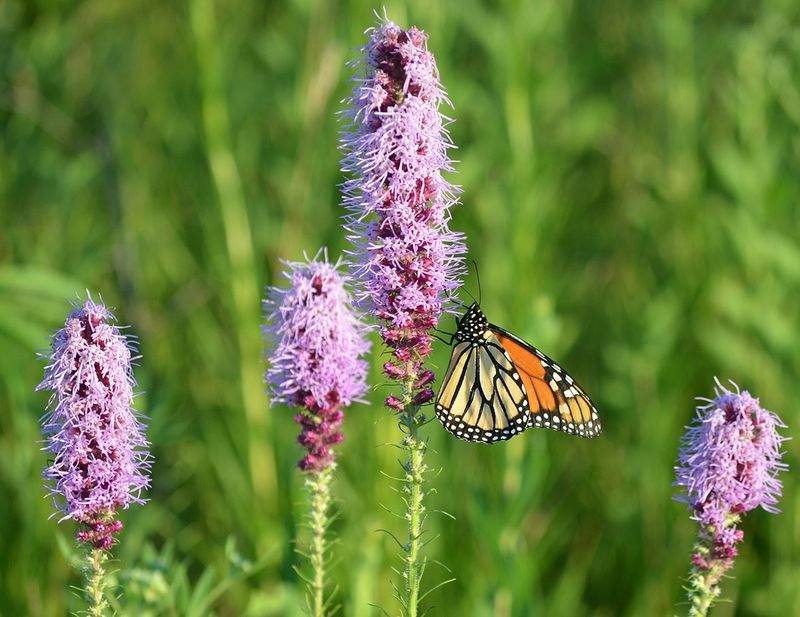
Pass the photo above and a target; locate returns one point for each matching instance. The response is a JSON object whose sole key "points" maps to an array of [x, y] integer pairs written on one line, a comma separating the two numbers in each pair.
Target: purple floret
{"points": [[395, 146], [315, 349], [100, 459], [728, 464]]}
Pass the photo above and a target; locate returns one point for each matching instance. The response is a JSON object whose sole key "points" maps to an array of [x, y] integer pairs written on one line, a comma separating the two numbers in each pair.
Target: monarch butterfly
{"points": [[497, 385]]}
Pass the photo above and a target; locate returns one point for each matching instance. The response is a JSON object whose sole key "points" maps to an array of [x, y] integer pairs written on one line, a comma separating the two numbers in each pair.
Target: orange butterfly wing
{"points": [[497, 385], [556, 400]]}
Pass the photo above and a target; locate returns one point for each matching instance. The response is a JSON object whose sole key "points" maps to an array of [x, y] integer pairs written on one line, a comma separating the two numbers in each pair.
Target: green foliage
{"points": [[630, 175]]}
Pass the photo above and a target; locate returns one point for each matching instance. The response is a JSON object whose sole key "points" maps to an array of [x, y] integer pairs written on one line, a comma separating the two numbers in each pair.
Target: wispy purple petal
{"points": [[730, 458], [406, 259], [315, 349], [729, 462], [100, 454]]}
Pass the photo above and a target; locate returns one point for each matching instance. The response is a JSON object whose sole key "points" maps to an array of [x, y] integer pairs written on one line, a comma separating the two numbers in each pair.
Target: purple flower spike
{"points": [[730, 458], [406, 258], [315, 349], [728, 464], [100, 458], [396, 148]]}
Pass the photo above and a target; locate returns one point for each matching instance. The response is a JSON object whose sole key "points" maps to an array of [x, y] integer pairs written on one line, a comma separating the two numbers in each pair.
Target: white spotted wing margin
{"points": [[557, 401], [497, 385]]}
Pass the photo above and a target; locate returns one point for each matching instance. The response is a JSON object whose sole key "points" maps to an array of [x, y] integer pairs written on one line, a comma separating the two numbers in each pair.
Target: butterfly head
{"points": [[472, 324]]}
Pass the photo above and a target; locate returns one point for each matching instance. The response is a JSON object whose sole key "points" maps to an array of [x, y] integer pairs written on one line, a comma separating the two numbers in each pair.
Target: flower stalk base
{"points": [[711, 559], [318, 486], [96, 582], [413, 494]]}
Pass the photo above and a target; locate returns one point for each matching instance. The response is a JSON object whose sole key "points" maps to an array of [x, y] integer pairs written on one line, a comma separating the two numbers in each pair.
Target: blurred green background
{"points": [[631, 172]]}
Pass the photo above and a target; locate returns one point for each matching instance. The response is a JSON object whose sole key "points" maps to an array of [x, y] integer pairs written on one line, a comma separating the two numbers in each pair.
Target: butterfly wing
{"points": [[482, 397], [555, 400]]}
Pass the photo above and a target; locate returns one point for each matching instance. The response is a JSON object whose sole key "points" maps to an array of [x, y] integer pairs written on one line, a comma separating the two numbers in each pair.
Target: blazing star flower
{"points": [[100, 458], [728, 464], [315, 350], [406, 259], [395, 147], [315, 346]]}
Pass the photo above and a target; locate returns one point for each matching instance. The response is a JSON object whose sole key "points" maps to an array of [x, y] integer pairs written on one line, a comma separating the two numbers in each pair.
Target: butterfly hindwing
{"points": [[497, 385], [556, 400]]}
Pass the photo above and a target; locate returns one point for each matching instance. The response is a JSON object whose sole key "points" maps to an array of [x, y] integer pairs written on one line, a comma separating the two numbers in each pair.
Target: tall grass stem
{"points": [[238, 237]]}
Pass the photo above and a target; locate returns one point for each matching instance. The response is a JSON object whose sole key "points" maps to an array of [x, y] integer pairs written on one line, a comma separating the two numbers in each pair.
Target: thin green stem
{"points": [[708, 570], [414, 468], [96, 582], [702, 596], [236, 228], [415, 519], [318, 486]]}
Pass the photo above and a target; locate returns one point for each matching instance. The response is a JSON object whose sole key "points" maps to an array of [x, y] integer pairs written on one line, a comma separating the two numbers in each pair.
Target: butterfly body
{"points": [[497, 385]]}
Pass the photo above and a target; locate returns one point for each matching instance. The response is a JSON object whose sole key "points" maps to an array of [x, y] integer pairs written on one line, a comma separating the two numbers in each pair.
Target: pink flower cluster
{"points": [[395, 147], [320, 431], [315, 348], [728, 465], [100, 458]]}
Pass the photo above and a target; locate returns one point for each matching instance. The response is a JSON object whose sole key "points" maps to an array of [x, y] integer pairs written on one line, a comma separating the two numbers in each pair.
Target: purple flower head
{"points": [[315, 345], [315, 341], [395, 148], [730, 457], [728, 464], [100, 458]]}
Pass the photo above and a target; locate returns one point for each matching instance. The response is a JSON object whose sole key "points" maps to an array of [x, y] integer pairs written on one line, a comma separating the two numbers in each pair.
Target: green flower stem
{"points": [[318, 486], [416, 516], [704, 581], [415, 469], [702, 594], [96, 582]]}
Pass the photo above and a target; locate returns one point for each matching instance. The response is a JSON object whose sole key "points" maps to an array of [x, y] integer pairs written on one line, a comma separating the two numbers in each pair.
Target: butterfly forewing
{"points": [[497, 385], [482, 397], [556, 400]]}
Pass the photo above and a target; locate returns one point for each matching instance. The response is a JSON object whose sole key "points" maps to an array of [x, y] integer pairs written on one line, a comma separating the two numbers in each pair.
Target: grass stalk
{"points": [[244, 288]]}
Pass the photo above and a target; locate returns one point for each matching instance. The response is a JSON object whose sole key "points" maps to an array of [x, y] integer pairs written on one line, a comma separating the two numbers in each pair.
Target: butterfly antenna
{"points": [[442, 339], [477, 300], [478, 276], [474, 299]]}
